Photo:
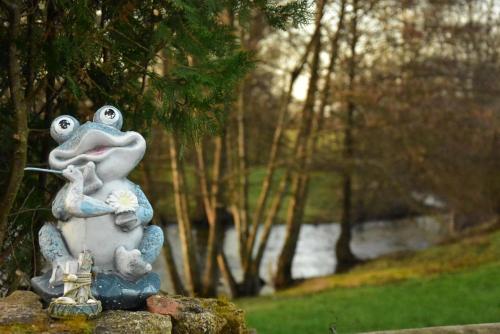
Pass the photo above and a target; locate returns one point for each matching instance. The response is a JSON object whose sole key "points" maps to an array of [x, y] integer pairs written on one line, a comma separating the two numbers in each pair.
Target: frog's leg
{"points": [[53, 250], [151, 243], [132, 264]]}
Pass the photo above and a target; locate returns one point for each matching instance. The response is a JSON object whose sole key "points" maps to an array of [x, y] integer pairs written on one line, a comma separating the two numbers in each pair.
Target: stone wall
{"points": [[22, 312]]}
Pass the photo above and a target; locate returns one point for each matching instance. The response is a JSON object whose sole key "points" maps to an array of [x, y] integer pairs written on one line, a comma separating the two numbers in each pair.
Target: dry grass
{"points": [[474, 250]]}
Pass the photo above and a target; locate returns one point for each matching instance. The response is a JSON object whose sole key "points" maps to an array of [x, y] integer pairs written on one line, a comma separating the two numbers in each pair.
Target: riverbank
{"points": [[453, 283]]}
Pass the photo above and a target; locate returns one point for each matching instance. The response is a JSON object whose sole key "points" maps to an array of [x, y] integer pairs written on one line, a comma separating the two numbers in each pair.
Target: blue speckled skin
{"points": [[145, 211], [58, 209], [151, 243], [90, 209], [52, 244]]}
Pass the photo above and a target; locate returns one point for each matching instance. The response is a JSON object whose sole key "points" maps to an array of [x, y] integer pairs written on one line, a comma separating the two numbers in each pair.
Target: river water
{"points": [[315, 254]]}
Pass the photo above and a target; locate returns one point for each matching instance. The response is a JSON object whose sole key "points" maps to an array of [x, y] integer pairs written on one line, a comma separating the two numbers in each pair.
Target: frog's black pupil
{"points": [[64, 124], [110, 113]]}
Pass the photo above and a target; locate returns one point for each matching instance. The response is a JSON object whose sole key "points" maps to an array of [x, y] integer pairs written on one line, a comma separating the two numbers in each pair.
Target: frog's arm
{"points": [[144, 212], [70, 202], [58, 208]]}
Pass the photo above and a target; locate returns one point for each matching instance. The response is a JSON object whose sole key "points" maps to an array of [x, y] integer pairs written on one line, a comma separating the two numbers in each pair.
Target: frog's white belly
{"points": [[101, 236]]}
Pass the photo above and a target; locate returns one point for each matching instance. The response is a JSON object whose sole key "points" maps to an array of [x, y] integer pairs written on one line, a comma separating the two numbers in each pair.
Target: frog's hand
{"points": [[127, 221], [58, 205], [87, 206]]}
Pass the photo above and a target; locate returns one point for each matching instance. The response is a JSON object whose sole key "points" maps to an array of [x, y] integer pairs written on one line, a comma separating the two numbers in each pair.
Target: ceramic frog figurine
{"points": [[99, 209]]}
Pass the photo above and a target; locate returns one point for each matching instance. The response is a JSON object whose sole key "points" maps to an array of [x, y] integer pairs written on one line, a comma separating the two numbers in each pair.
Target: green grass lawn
{"points": [[467, 297], [457, 283]]}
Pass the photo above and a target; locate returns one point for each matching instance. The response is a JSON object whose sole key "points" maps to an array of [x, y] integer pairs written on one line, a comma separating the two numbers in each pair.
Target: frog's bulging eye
{"points": [[109, 115], [63, 127]]}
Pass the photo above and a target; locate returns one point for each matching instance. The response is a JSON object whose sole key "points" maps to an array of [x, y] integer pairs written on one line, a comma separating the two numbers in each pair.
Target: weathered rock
{"points": [[164, 305], [195, 315], [139, 322], [22, 312], [20, 308]]}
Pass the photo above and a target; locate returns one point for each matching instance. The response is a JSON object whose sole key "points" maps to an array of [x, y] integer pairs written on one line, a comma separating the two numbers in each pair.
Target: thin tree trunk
{"points": [[30, 109], [210, 205], [167, 248], [20, 126], [202, 175], [277, 136], [318, 120], [345, 257], [172, 269], [185, 233], [251, 279], [242, 173], [48, 110], [295, 206], [270, 220], [227, 274]]}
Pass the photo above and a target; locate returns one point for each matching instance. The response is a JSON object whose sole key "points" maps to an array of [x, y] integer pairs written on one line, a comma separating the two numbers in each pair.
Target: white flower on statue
{"points": [[122, 201]]}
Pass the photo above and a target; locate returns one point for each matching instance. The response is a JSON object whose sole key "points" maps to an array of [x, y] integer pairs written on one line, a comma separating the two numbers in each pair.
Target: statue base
{"points": [[113, 291], [69, 311]]}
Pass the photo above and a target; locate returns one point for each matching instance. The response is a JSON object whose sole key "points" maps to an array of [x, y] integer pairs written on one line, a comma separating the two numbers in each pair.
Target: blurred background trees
{"points": [[375, 110]]}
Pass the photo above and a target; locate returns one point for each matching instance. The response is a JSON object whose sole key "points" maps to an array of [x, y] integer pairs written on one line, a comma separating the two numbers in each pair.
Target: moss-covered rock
{"points": [[199, 315], [22, 312], [138, 322], [21, 308]]}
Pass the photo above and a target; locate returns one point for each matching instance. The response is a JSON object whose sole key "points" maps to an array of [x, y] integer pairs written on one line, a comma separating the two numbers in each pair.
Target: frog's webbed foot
{"points": [[57, 274], [130, 264], [54, 250], [58, 270]]}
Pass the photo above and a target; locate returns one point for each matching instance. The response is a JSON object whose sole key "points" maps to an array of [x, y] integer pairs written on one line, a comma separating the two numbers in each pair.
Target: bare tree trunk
{"points": [[210, 206], [30, 109], [318, 119], [167, 248], [251, 279], [227, 274], [20, 127], [243, 176], [172, 269], [295, 206], [185, 233], [277, 136], [345, 257]]}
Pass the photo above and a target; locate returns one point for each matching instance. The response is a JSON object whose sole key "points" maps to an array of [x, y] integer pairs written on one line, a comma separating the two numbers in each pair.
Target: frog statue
{"points": [[100, 211]]}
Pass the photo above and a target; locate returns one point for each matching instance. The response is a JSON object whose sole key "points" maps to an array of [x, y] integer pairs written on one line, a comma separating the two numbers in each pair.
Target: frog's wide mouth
{"points": [[96, 146]]}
